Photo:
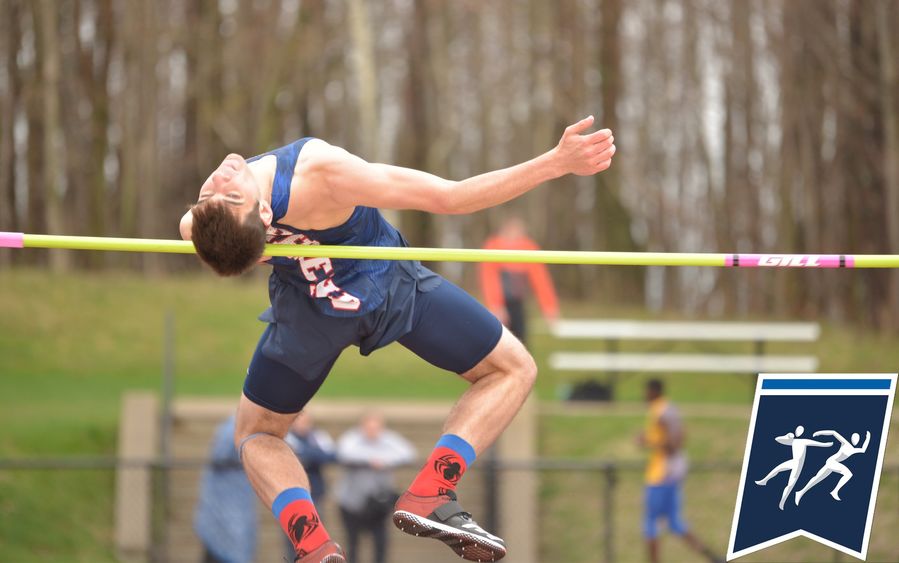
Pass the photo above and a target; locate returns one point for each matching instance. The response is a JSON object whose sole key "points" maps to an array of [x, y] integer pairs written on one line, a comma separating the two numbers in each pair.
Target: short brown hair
{"points": [[228, 245]]}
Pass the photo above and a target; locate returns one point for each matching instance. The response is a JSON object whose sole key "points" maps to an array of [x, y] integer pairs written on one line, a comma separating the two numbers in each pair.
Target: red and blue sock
{"points": [[294, 510], [447, 463]]}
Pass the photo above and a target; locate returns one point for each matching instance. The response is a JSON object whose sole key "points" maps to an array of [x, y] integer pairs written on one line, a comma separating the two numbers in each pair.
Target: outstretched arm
{"points": [[351, 181]]}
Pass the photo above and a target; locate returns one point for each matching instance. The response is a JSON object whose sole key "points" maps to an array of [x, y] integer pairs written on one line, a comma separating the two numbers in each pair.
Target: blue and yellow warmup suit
{"points": [[320, 306], [665, 471]]}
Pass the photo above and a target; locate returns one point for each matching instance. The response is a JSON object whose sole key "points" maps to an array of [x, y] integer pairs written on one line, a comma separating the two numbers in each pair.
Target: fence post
{"points": [[137, 445], [608, 512], [491, 486], [162, 495]]}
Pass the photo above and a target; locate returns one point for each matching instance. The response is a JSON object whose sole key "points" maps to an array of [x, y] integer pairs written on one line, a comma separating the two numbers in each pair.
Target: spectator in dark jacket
{"points": [[316, 449], [225, 517]]}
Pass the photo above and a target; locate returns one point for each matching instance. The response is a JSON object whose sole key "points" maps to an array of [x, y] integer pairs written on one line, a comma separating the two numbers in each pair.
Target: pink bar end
{"points": [[12, 240]]}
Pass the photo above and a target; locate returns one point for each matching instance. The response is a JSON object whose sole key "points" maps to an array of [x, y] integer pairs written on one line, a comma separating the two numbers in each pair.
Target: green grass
{"points": [[71, 344]]}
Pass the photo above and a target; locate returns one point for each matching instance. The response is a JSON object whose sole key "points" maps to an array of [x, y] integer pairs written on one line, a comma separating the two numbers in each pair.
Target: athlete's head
{"points": [[654, 389], [855, 438], [230, 218], [799, 430]]}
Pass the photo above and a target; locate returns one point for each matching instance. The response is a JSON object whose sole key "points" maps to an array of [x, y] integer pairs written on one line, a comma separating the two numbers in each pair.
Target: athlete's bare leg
{"points": [[500, 383], [267, 459], [699, 547], [652, 546]]}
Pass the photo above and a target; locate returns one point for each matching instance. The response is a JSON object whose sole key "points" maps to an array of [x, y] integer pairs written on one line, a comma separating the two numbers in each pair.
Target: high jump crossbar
{"points": [[24, 240]]}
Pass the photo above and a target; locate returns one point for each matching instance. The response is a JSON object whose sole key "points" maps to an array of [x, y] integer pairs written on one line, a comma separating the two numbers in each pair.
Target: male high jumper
{"points": [[310, 192]]}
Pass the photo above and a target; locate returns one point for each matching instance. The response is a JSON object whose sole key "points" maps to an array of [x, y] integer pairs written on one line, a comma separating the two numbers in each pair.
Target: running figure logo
{"points": [[794, 465], [797, 451], [834, 463]]}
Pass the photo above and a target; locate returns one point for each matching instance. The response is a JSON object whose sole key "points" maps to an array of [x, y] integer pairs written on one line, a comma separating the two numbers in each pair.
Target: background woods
{"points": [[768, 126]]}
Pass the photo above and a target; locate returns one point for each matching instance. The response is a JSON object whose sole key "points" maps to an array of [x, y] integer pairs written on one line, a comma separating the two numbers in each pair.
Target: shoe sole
{"points": [[468, 546]]}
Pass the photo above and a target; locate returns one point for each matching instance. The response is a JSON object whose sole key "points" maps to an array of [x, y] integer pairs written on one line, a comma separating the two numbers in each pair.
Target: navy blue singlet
{"points": [[339, 287]]}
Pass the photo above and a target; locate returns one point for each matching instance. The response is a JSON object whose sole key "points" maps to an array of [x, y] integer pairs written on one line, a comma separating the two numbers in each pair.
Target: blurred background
{"points": [[765, 126]]}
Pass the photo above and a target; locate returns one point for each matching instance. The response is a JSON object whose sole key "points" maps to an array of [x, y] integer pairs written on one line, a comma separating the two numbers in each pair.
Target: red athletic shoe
{"points": [[442, 518], [328, 552]]}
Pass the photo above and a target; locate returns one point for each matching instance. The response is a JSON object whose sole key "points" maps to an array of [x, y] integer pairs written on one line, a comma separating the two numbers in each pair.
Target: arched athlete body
{"points": [[793, 465], [311, 192], [834, 463]]}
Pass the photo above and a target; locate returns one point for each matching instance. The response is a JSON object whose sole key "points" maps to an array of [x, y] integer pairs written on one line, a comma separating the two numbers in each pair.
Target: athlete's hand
{"points": [[584, 155]]}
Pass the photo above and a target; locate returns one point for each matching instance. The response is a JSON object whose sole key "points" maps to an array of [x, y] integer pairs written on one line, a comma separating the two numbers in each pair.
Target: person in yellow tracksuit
{"points": [[666, 468]]}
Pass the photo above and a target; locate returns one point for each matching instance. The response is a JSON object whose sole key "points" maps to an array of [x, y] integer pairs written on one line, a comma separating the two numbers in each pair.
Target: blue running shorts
{"points": [[422, 311]]}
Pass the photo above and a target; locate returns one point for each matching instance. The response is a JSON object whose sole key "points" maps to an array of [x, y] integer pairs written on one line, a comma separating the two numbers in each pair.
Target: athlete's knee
{"points": [[521, 365], [529, 370], [254, 422]]}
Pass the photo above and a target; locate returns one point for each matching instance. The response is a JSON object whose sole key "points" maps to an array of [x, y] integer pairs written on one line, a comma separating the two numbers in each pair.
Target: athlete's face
{"points": [[234, 184]]}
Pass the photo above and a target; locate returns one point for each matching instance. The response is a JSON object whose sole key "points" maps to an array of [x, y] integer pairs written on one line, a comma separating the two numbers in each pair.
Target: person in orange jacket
{"points": [[506, 286]]}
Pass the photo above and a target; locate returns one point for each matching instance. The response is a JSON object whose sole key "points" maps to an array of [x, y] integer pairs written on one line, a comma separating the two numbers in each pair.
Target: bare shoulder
{"points": [[315, 208], [317, 153], [312, 164]]}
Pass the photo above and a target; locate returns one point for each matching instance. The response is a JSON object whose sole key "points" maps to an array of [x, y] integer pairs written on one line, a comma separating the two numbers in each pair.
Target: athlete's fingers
{"points": [[602, 165], [606, 154], [580, 126], [599, 136]]}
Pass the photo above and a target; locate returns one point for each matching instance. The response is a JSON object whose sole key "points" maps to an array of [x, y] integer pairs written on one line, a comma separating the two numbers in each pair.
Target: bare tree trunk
{"points": [[47, 26], [417, 225], [612, 219], [542, 122], [886, 28], [149, 198], [10, 37], [87, 141], [366, 78]]}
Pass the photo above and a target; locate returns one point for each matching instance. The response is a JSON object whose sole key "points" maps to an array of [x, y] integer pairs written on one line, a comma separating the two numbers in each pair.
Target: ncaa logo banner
{"points": [[812, 461]]}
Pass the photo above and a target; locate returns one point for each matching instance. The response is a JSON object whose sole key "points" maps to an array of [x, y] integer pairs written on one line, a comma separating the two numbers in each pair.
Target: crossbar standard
{"points": [[23, 240]]}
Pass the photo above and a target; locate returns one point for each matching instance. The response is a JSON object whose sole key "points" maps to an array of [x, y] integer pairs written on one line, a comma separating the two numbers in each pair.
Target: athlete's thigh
{"points": [[295, 352], [253, 418], [281, 388], [451, 329]]}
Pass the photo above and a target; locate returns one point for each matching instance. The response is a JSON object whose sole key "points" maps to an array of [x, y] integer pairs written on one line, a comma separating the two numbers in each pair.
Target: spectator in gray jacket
{"points": [[366, 493]]}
